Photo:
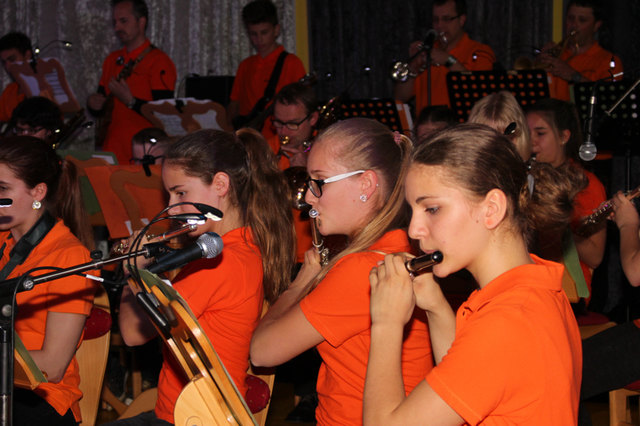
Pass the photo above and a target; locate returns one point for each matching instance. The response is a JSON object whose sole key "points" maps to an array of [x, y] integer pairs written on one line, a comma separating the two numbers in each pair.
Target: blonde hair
{"points": [[369, 145], [498, 111]]}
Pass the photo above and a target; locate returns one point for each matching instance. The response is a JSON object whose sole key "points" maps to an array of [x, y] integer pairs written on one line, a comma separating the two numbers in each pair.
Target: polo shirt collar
{"points": [[135, 52], [543, 274], [391, 242]]}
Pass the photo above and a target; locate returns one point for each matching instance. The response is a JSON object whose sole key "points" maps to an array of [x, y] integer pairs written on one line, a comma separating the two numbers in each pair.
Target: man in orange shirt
{"points": [[252, 78], [14, 47], [454, 51], [152, 77], [582, 59]]}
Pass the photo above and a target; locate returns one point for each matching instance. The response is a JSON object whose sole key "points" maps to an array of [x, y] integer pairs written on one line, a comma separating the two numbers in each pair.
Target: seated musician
{"points": [[14, 47], [556, 137], [494, 362], [45, 227], [430, 120], [356, 168], [36, 116], [580, 58], [237, 174]]}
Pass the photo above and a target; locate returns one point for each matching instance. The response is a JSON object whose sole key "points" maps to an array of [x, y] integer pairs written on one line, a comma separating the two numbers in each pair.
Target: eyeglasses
{"points": [[315, 185], [28, 131], [291, 125], [444, 19]]}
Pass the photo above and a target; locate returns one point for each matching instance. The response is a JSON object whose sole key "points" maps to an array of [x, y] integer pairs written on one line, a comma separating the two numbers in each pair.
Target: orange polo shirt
{"points": [[73, 294], [517, 354], [592, 64], [465, 52], [253, 76], [155, 71], [587, 200], [301, 221], [225, 294], [9, 100], [338, 308]]}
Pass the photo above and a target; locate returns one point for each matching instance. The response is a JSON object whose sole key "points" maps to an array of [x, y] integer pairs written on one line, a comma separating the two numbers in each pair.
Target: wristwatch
{"points": [[451, 61]]}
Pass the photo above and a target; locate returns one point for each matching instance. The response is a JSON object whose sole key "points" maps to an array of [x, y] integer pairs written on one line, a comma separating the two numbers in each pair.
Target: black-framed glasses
{"points": [[26, 131], [291, 125], [444, 19], [315, 185]]}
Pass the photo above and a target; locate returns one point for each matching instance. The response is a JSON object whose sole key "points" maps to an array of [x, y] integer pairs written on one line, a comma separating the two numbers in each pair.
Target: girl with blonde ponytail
{"points": [[356, 170]]}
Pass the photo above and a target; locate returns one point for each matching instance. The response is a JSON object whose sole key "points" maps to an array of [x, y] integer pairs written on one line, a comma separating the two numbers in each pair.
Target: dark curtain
{"points": [[348, 36]]}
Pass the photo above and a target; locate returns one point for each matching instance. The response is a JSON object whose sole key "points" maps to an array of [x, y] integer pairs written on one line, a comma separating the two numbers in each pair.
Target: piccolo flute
{"points": [[316, 238], [419, 264]]}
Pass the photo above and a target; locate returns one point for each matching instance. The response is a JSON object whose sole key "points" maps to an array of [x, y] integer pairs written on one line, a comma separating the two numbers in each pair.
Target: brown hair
{"points": [[478, 159], [257, 188], [369, 145], [498, 111], [561, 115], [34, 161]]}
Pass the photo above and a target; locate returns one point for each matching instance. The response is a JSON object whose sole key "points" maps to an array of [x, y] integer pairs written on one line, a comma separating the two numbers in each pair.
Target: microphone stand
{"points": [[8, 290]]}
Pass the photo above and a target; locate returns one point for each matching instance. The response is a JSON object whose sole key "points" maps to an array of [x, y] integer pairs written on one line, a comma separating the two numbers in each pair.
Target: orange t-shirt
{"points": [[593, 64], [253, 76], [301, 220], [225, 294], [72, 294], [338, 308], [154, 72], [9, 100], [465, 52], [587, 200], [517, 353]]}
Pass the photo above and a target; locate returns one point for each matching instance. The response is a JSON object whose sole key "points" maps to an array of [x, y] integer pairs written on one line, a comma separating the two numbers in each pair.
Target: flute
{"points": [[419, 264], [316, 238]]}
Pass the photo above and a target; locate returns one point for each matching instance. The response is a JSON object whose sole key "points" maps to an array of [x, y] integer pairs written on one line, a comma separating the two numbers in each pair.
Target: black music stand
{"points": [[383, 110], [467, 87], [614, 131]]}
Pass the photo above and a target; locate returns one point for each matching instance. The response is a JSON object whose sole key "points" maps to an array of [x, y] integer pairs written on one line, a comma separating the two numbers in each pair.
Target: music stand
{"points": [[178, 117], [49, 80], [383, 110], [468, 87], [623, 124]]}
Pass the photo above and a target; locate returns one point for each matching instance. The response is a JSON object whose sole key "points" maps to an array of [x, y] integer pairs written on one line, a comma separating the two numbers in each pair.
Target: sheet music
{"points": [[32, 83], [208, 120], [172, 124], [59, 94]]}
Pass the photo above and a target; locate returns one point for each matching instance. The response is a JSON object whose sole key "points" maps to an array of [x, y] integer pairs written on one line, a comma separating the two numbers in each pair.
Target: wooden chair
{"points": [[92, 361], [619, 411]]}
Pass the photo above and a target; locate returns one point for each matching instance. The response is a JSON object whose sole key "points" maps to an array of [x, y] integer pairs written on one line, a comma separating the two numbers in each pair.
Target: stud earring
{"points": [[36, 205], [363, 198]]}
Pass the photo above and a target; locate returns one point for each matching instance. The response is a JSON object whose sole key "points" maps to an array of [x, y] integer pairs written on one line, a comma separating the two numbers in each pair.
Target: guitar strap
{"points": [[27, 243], [136, 61], [270, 90]]}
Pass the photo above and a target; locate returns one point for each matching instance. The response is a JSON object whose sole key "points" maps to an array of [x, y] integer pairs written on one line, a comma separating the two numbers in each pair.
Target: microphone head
{"points": [[209, 211], [587, 151], [211, 244]]}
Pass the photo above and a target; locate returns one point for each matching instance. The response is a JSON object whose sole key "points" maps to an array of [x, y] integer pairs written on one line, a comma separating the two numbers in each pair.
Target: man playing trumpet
{"points": [[454, 51], [579, 58]]}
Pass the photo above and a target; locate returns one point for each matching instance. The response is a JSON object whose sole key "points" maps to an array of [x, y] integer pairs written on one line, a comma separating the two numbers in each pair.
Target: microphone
{"points": [[588, 150], [209, 211], [430, 39], [207, 246]]}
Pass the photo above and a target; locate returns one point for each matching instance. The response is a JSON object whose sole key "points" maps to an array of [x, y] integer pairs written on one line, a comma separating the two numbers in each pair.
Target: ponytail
{"points": [[268, 213]]}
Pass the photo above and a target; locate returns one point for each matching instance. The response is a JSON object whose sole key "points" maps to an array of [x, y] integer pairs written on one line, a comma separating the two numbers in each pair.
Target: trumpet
{"points": [[556, 50], [419, 264], [123, 246], [317, 240], [400, 71]]}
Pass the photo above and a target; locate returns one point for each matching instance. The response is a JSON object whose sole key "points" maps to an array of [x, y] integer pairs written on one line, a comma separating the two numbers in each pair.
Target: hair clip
{"points": [[511, 129]]}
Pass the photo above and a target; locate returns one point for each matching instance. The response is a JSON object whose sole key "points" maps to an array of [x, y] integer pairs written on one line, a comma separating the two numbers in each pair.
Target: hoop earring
{"points": [[36, 205]]}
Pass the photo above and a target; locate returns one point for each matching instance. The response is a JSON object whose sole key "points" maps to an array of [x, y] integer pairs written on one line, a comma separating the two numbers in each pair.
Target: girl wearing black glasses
{"points": [[356, 168]]}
